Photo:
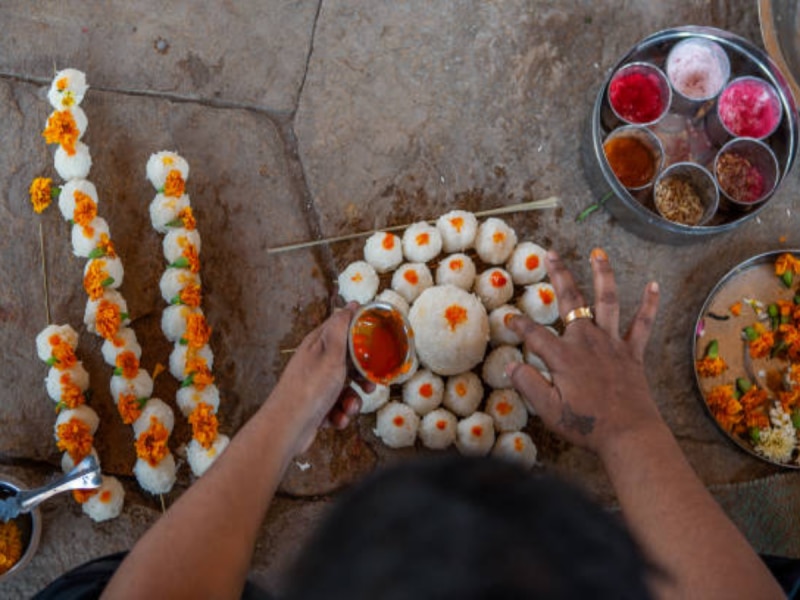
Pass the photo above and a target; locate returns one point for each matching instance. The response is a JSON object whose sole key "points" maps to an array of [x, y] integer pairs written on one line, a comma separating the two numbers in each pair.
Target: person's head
{"points": [[467, 529]]}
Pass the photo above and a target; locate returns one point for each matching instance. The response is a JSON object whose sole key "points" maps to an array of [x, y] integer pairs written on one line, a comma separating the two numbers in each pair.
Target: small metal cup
{"points": [[711, 57], [703, 183], [761, 157], [664, 89], [30, 525], [650, 140], [719, 132]]}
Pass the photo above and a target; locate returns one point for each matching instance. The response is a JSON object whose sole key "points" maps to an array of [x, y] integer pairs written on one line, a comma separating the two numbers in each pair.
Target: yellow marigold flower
{"points": [[198, 332], [10, 545], [191, 295], [108, 320], [81, 496], [64, 356], [62, 129], [190, 254], [152, 443], [711, 367], [85, 210], [762, 345], [174, 185], [128, 364], [106, 246], [96, 274], [41, 193], [71, 394], [129, 408], [204, 425], [187, 216], [75, 438]]}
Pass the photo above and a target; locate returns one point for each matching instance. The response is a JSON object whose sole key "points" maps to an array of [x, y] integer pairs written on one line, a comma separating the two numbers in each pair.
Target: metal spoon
{"points": [[85, 475]]}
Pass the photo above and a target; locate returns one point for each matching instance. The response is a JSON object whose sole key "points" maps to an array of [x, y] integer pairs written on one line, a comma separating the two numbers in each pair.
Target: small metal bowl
{"points": [[30, 525], [638, 214]]}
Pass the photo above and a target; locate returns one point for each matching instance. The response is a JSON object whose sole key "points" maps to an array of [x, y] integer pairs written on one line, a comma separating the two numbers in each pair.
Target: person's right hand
{"points": [[599, 388]]}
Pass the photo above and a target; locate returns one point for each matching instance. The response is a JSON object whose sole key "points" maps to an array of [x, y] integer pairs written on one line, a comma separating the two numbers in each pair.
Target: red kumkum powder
{"points": [[637, 96]]}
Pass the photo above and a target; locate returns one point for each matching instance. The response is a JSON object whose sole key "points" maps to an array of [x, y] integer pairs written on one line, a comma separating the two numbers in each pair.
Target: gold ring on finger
{"points": [[582, 312]]}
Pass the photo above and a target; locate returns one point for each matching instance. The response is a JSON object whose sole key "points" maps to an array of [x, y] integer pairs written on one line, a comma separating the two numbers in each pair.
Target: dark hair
{"points": [[466, 528]]}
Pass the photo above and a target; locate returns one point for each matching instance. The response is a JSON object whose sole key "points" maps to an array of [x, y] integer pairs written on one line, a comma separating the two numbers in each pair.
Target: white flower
{"points": [[777, 444]]}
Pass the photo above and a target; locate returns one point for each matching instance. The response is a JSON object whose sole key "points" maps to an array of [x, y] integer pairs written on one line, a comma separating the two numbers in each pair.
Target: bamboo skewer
{"points": [[44, 275], [551, 202]]}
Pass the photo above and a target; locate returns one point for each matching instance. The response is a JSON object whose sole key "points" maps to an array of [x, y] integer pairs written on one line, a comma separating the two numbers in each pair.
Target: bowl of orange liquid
{"points": [[381, 344]]}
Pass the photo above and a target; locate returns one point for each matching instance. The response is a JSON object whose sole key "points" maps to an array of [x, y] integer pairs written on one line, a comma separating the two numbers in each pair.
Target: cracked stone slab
{"points": [[249, 53]]}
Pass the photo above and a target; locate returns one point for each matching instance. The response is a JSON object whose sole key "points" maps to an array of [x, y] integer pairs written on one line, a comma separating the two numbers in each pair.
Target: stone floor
{"points": [[312, 118]]}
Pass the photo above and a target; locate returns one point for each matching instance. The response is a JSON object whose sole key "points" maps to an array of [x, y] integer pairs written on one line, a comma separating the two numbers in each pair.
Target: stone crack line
{"points": [[310, 54]]}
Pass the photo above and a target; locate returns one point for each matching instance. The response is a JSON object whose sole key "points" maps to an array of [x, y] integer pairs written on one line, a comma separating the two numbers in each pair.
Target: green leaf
{"points": [[51, 361], [97, 253], [181, 263], [55, 192], [184, 342], [796, 419], [176, 300], [124, 316], [71, 221], [787, 278], [141, 402], [713, 349], [772, 310], [107, 281], [117, 370], [584, 214], [175, 223], [188, 381], [743, 385], [755, 435], [750, 333], [60, 406]]}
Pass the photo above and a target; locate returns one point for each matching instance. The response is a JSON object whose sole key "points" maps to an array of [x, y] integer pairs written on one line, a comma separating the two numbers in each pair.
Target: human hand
{"points": [[599, 389]]}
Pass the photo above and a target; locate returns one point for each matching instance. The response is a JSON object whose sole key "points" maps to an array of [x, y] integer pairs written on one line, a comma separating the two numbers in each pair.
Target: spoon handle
{"points": [[85, 475]]}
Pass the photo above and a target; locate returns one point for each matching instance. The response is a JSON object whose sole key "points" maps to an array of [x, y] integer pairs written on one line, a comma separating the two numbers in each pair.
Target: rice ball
{"points": [[516, 446], [141, 386], [495, 241], [53, 335], [423, 392], [526, 264], [371, 401], [154, 409], [411, 279], [82, 413], [384, 251], [438, 429], [358, 282], [475, 435], [458, 270], [78, 116], [158, 479], [463, 393], [92, 306], [200, 459], [76, 166], [173, 320], [421, 242], [187, 398], [107, 502], [458, 229], [161, 163], [507, 409], [84, 240], [166, 209], [494, 367], [397, 425], [66, 199], [111, 266], [539, 302], [67, 464], [67, 89], [177, 359], [494, 287], [395, 299], [173, 281], [57, 378], [499, 331], [176, 240]]}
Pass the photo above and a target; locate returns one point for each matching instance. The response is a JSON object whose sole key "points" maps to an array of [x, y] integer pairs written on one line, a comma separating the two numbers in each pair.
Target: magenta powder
{"points": [[749, 107], [637, 95]]}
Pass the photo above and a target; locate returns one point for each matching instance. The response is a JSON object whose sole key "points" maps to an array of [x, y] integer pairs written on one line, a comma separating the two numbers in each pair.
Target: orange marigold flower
{"points": [[174, 184], [756, 419], [190, 252], [762, 345], [202, 378], [191, 295], [755, 399], [62, 129], [108, 320], [187, 216], [95, 276], [75, 438], [152, 443], [106, 246], [129, 407], [725, 407], [204, 425], [789, 399], [10, 545], [786, 262], [736, 309], [64, 356], [81, 496], [71, 394], [128, 364], [85, 209], [198, 332], [711, 367], [41, 193]]}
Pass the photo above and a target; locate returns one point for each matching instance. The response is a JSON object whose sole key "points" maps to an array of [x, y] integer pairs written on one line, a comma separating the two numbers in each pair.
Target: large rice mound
{"points": [[451, 329]]}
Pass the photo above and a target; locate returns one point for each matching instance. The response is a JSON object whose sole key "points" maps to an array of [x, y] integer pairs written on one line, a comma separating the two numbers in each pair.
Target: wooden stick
{"points": [[44, 275], [551, 202]]}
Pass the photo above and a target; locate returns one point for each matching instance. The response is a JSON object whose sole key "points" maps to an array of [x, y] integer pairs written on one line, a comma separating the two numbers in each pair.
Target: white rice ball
{"points": [[187, 398], [158, 479], [371, 401], [125, 341], [494, 367], [154, 409], [86, 240], [507, 409], [411, 279], [67, 464], [475, 435], [66, 199], [67, 89], [463, 393], [458, 229], [395, 299], [539, 302], [76, 166], [173, 320], [451, 329], [516, 446], [499, 332], [112, 296], [177, 359], [75, 374], [384, 251], [438, 429], [458, 270], [397, 425], [54, 333], [165, 209], [161, 163], [140, 386], [495, 241], [107, 502], [81, 121], [358, 282], [176, 240], [423, 392], [494, 287], [526, 264], [412, 370], [112, 266], [174, 280], [82, 413], [421, 242], [201, 459]]}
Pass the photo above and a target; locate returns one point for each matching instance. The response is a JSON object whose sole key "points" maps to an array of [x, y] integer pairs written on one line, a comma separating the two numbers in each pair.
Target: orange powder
{"points": [[411, 277], [456, 264], [423, 239], [498, 237], [441, 425], [426, 390], [546, 295], [497, 279], [398, 421], [503, 408], [388, 241], [461, 388], [477, 430], [456, 315], [532, 262], [457, 223]]}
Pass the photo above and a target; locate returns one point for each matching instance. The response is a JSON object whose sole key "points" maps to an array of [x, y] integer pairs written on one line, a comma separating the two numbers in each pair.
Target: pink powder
{"points": [[749, 107], [698, 69]]}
